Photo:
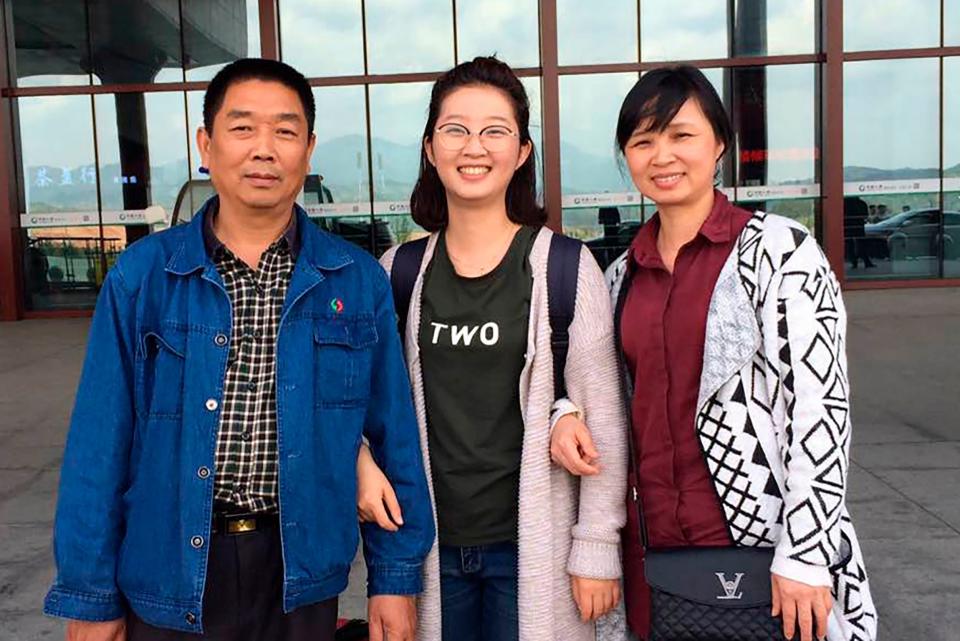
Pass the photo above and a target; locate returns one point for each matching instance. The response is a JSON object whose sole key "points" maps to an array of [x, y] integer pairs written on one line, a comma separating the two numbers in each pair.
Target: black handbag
{"points": [[711, 594]]}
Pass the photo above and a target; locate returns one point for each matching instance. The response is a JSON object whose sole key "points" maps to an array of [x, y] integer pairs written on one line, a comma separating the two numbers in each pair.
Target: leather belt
{"points": [[242, 523]]}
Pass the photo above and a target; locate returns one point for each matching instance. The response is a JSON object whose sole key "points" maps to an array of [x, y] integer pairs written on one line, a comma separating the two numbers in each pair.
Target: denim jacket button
{"points": [[191, 618], [212, 404], [197, 542], [203, 472], [220, 340]]}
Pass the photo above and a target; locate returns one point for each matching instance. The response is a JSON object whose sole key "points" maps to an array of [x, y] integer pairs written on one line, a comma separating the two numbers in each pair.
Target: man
{"points": [[326, 196], [208, 485]]}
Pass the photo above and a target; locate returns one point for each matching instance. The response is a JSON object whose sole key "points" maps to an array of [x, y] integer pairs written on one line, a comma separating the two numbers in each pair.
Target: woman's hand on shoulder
{"points": [[571, 446], [376, 500], [595, 597]]}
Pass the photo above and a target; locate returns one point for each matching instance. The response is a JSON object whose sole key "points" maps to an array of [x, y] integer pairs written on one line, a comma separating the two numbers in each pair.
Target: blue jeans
{"points": [[478, 592]]}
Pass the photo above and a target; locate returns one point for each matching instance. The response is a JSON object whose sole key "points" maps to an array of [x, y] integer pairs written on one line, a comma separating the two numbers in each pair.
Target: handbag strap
{"points": [[627, 396]]}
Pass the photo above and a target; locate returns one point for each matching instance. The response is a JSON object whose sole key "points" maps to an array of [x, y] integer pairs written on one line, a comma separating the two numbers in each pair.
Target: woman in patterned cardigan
{"points": [[732, 329]]}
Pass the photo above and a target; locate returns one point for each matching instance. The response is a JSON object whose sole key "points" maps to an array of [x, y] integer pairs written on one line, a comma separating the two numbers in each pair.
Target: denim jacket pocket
{"points": [[160, 363], [342, 357]]}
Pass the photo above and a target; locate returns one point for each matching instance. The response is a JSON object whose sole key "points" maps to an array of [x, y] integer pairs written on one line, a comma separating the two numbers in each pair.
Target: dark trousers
{"points": [[478, 592], [243, 598]]}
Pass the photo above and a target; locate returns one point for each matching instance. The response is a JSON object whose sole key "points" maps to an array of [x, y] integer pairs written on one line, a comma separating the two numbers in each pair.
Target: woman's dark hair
{"points": [[659, 95], [428, 202], [256, 69]]}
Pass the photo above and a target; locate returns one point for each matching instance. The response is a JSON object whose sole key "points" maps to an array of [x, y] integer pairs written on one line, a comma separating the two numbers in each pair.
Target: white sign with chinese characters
{"points": [[388, 207], [328, 210], [874, 187], [623, 199], [149, 216], [777, 192], [613, 199]]}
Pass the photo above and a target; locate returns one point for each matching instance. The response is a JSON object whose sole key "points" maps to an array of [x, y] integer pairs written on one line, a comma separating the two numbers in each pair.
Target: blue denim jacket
{"points": [[136, 496]]}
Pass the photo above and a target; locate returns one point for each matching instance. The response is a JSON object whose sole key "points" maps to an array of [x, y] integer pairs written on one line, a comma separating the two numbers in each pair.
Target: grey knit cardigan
{"points": [[567, 525]]}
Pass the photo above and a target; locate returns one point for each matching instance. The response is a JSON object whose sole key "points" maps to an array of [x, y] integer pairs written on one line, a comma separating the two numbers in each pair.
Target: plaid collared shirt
{"points": [[246, 457]]}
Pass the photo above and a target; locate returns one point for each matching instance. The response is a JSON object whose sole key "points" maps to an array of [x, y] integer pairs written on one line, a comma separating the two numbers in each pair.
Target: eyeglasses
{"points": [[494, 138]]}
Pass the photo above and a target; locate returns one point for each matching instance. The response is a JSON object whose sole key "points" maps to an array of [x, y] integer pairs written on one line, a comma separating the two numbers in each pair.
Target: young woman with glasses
{"points": [[525, 550]]}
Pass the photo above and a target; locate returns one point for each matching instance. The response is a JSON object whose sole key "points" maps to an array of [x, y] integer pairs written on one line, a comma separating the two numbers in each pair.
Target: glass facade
{"points": [[105, 105]]}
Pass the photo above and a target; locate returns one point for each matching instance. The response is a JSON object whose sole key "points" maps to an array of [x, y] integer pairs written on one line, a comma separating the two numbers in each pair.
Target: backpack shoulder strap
{"points": [[563, 267], [403, 276]]}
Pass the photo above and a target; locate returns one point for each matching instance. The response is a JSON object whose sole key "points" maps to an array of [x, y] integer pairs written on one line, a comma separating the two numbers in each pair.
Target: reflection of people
{"points": [[707, 292], [872, 215], [854, 217], [314, 185], [609, 246], [479, 344], [197, 421], [326, 196], [882, 212], [905, 208], [35, 268], [609, 219]]}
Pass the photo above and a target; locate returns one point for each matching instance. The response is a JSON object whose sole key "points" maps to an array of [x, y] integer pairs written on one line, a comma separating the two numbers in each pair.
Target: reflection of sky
{"points": [[791, 26], [951, 112], [589, 106], [56, 131], [672, 30], [951, 23], [508, 28], [322, 37], [791, 118], [409, 35], [889, 24], [694, 30], [596, 32], [891, 113], [398, 113]]}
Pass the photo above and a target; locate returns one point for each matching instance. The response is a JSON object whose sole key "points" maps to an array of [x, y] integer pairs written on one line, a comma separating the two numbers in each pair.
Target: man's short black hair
{"points": [[256, 69]]}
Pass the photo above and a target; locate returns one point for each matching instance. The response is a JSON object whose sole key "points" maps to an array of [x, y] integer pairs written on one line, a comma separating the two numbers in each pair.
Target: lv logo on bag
{"points": [[730, 587]]}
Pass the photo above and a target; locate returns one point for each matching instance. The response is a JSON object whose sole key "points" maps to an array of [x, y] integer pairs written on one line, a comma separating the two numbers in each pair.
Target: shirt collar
{"points": [[717, 228], [290, 238]]}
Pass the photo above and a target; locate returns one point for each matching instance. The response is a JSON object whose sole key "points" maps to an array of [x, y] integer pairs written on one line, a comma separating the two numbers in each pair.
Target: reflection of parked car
{"points": [[192, 194], [356, 229], [915, 234]]}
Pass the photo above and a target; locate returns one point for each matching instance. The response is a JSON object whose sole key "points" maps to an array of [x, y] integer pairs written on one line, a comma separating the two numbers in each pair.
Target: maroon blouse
{"points": [[663, 328]]}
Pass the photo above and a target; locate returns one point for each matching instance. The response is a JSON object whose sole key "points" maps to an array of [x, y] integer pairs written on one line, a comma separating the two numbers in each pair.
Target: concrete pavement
{"points": [[904, 353]]}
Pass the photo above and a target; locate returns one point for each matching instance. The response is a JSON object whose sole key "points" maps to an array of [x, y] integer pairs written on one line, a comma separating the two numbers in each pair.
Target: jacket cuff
{"points": [[83, 606], [591, 559], [816, 575], [561, 407], [394, 578]]}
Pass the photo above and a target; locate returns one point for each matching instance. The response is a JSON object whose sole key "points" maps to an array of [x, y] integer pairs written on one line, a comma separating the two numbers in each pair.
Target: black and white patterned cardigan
{"points": [[773, 413]]}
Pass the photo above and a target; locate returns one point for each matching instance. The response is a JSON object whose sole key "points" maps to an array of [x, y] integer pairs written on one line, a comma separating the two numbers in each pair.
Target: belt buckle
{"points": [[241, 526]]}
